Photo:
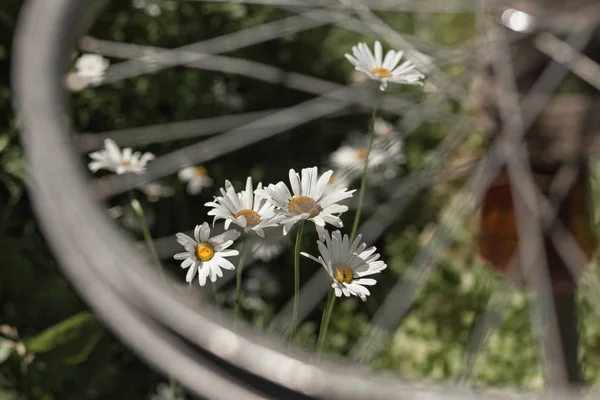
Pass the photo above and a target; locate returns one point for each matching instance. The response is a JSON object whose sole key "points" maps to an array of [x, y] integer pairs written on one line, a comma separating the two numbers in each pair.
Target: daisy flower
{"points": [[309, 199], [245, 209], [205, 255], [351, 159], [384, 159], [385, 70], [120, 162], [91, 67], [348, 263], [196, 177]]}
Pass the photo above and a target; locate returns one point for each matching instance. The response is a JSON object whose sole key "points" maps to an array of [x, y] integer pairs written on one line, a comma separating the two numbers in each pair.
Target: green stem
{"points": [[238, 282], [363, 181], [296, 279], [325, 321], [173, 389], [139, 211]]}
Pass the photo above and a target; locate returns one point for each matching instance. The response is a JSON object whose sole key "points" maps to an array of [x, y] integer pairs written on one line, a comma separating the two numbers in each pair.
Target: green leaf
{"points": [[71, 341], [85, 352], [6, 395], [4, 141]]}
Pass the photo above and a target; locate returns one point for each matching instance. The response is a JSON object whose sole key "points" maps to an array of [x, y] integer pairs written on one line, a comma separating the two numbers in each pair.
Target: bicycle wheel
{"points": [[190, 342]]}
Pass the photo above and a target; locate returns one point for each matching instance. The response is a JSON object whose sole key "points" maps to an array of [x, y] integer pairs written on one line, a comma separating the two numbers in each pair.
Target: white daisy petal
{"points": [[203, 273], [186, 263], [389, 57], [191, 273], [184, 239], [181, 256], [225, 237], [378, 52], [288, 227], [295, 182], [229, 253], [204, 232], [223, 263], [197, 233]]}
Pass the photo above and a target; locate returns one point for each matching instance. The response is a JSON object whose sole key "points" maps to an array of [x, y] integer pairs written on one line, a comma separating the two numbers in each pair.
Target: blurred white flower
{"points": [[226, 94], [258, 286], [386, 69], [352, 158], [205, 255], [384, 159], [91, 67], [309, 199], [348, 263], [152, 7], [117, 161], [164, 392], [268, 247], [154, 191], [196, 177], [245, 209], [153, 10], [115, 212]]}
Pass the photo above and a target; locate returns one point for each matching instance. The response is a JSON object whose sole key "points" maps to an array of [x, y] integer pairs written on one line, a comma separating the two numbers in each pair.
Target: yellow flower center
{"points": [[126, 163], [361, 154], [200, 171], [204, 252], [381, 72], [304, 205], [252, 217], [342, 273]]}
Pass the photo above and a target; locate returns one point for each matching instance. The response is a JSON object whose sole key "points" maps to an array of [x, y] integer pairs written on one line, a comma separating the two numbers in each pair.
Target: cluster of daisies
{"points": [[257, 212], [261, 214], [308, 197]]}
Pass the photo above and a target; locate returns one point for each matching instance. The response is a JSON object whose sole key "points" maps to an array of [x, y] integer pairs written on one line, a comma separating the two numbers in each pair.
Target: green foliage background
{"points": [[76, 358]]}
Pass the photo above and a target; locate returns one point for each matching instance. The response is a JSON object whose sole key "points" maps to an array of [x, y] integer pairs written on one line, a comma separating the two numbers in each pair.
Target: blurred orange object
{"points": [[498, 238]]}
